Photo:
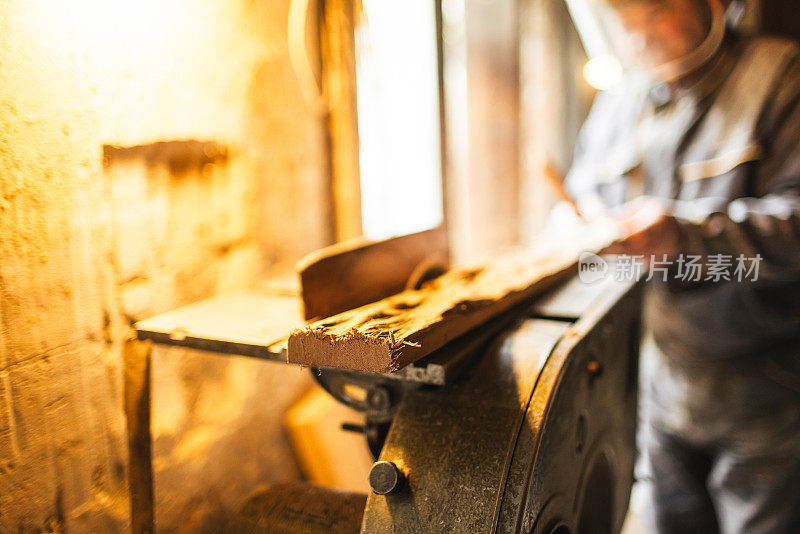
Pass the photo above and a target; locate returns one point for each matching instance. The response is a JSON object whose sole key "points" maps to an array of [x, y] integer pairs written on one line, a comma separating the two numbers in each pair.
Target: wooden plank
{"points": [[328, 456], [348, 275], [387, 335]]}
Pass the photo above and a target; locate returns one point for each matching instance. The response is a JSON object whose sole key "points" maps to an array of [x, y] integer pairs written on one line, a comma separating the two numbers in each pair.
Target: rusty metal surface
{"points": [[245, 324], [511, 449]]}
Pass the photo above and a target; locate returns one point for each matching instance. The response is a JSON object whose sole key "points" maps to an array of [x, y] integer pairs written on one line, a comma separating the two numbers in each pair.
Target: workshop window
{"points": [[398, 117]]}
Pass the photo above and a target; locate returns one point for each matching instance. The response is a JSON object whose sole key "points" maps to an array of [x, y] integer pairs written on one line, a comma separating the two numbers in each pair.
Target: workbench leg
{"points": [[137, 356]]}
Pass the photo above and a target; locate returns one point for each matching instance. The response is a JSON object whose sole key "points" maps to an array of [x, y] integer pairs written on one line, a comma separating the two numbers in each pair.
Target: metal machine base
{"points": [[525, 425], [536, 436]]}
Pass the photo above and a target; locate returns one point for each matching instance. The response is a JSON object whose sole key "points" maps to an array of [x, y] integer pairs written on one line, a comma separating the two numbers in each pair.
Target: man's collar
{"points": [[703, 82]]}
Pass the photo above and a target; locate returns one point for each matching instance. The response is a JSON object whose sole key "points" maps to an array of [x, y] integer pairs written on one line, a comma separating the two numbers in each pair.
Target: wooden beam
{"points": [[389, 334], [338, 48], [366, 271], [137, 358]]}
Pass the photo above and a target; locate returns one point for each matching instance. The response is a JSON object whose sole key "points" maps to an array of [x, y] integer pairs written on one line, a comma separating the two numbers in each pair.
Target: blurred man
{"points": [[697, 152]]}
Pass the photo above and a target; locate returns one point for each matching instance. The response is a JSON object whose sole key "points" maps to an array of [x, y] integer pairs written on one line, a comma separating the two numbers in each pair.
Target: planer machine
{"points": [[524, 425]]}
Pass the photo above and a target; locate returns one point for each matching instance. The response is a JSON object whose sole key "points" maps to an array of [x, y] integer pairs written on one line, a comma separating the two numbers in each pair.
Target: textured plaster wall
{"points": [[92, 239]]}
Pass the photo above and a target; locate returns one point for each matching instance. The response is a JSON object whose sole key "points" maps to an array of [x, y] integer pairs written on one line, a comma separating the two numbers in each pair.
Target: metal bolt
{"points": [[385, 477], [378, 399], [594, 368]]}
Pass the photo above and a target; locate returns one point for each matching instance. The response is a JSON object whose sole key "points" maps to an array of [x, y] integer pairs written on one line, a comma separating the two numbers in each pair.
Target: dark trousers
{"points": [[720, 449]]}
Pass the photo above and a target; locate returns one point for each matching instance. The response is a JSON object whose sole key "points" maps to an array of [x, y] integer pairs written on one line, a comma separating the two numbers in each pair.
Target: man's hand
{"points": [[647, 229]]}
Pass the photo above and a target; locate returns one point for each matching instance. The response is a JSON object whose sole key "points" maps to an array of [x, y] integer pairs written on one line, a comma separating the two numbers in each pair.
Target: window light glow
{"points": [[602, 72], [398, 118]]}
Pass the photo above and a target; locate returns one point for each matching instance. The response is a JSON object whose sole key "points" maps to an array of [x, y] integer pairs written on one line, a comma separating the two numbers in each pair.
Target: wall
{"points": [[152, 153]]}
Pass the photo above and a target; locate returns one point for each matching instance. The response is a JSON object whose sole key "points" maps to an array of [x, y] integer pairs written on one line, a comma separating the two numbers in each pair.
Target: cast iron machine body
{"points": [[534, 433], [525, 424]]}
